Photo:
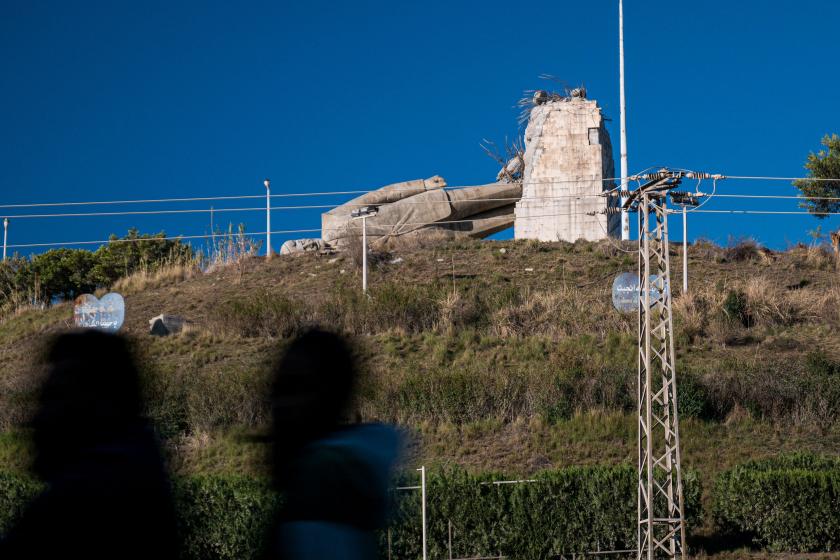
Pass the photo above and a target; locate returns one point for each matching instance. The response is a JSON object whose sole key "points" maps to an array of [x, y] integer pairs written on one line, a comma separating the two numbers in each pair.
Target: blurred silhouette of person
{"points": [[107, 494], [333, 476]]}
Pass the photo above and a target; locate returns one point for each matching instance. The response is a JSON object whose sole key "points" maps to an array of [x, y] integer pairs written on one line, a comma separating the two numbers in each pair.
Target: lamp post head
{"points": [[365, 211], [267, 183]]}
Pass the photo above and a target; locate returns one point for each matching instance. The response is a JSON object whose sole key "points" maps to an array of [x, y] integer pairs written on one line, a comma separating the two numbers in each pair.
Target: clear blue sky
{"points": [[114, 100]]}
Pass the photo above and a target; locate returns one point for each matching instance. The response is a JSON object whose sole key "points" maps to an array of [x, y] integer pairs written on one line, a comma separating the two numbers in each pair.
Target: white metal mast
{"points": [[625, 217]]}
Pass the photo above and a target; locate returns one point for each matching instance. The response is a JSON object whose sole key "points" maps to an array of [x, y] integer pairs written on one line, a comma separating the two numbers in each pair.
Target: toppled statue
{"points": [[297, 246], [424, 209]]}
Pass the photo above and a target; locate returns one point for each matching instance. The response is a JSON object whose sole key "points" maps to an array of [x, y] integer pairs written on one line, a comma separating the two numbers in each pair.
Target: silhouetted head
{"points": [[313, 388], [90, 398]]}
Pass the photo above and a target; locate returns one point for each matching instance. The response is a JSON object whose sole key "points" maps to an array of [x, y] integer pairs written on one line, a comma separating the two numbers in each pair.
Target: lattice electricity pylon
{"points": [[661, 520]]}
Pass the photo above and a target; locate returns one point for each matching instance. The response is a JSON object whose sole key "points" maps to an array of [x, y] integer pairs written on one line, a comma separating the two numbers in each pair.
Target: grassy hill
{"points": [[496, 356]]}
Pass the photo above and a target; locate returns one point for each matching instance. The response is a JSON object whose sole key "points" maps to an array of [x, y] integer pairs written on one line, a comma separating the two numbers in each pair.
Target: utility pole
{"points": [[5, 235], [661, 517], [625, 216], [267, 184]]}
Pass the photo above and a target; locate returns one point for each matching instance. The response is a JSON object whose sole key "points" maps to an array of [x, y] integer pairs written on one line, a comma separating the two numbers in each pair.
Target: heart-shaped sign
{"points": [[105, 314]]}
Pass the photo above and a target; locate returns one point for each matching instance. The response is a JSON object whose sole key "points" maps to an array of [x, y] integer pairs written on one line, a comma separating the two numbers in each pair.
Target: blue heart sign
{"points": [[106, 314]]}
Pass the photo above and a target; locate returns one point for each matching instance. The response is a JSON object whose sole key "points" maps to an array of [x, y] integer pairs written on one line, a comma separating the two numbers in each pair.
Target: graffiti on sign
{"points": [[105, 314], [625, 291]]}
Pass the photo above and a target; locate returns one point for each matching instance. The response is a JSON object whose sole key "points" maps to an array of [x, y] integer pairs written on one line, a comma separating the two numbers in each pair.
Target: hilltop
{"points": [[497, 356]]}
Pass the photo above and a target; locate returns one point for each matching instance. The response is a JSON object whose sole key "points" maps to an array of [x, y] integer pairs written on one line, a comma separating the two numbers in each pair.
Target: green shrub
{"points": [[693, 398], [261, 314], [220, 517], [736, 308], [566, 510], [788, 503], [574, 509], [819, 364], [15, 492], [224, 517]]}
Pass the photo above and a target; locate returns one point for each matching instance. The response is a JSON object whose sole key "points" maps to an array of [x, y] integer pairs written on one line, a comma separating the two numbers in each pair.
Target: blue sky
{"points": [[118, 100]]}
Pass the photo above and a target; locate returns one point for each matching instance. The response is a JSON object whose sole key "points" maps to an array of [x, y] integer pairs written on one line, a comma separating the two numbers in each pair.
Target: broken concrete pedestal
{"points": [[568, 165]]}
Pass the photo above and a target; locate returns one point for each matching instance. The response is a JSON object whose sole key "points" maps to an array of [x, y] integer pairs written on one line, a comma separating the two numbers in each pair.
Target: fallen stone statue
{"points": [[295, 246], [424, 209]]}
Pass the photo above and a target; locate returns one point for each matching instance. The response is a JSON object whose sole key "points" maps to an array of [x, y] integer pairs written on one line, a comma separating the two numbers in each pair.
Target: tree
{"points": [[64, 272], [823, 165], [121, 257], [823, 196], [15, 281]]}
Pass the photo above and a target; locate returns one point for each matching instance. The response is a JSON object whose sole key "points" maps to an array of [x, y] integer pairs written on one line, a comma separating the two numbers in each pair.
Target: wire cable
{"points": [[280, 195], [282, 208], [353, 225]]}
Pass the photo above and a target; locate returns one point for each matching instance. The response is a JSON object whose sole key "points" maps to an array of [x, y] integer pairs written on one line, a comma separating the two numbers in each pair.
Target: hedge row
{"points": [[220, 517], [790, 503], [564, 510]]}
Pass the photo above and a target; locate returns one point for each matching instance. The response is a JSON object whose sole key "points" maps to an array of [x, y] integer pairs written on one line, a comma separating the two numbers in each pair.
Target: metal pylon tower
{"points": [[661, 519]]}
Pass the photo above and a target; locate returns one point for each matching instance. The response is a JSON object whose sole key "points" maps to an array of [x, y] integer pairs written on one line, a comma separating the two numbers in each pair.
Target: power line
{"points": [[350, 226], [353, 225], [759, 178], [784, 212], [281, 195], [280, 208], [780, 196], [149, 239], [363, 191], [404, 202]]}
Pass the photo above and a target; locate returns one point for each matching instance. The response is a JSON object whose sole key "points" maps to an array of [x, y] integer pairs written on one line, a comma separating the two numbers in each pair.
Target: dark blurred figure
{"points": [[107, 493], [333, 476]]}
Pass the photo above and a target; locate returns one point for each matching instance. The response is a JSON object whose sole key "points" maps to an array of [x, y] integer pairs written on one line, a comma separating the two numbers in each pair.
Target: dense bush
{"points": [[224, 517], [575, 509], [15, 493], [219, 517], [262, 314], [567, 510], [67, 273], [789, 503]]}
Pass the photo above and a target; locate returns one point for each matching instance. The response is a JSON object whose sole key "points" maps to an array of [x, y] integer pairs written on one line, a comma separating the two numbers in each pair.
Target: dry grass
{"points": [[566, 311], [145, 279]]}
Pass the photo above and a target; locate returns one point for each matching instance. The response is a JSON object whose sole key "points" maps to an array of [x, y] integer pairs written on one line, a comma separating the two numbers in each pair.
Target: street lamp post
{"points": [[364, 213], [685, 250], [267, 184], [5, 235]]}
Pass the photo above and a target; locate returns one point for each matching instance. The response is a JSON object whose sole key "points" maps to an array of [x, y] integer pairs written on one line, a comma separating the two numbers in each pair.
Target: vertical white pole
{"points": [[5, 235], [267, 219], [625, 217], [364, 254], [685, 252], [423, 505]]}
